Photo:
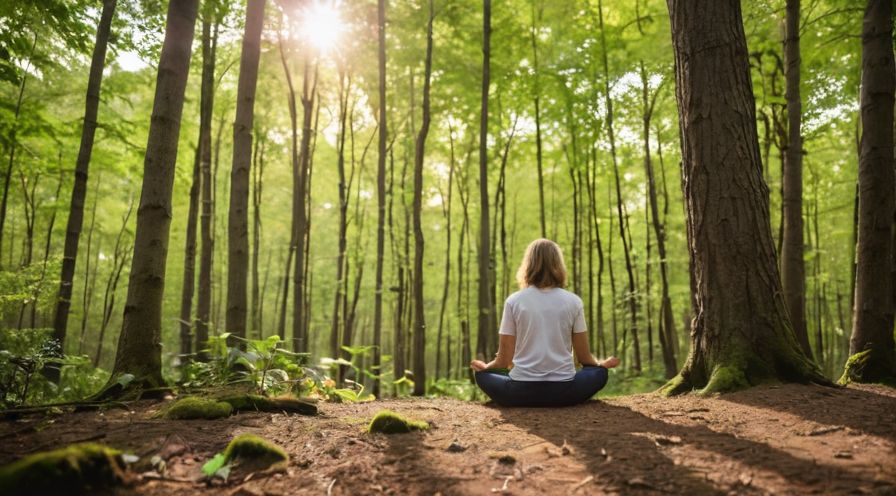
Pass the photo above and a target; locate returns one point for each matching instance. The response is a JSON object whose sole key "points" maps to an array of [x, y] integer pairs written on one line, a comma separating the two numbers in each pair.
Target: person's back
{"points": [[542, 326], [543, 321]]}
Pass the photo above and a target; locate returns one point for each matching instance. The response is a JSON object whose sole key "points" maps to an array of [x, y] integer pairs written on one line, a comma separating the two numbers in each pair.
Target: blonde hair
{"points": [[542, 266]]}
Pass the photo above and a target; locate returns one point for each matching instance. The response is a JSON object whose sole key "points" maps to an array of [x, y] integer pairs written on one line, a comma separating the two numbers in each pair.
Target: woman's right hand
{"points": [[478, 365]]}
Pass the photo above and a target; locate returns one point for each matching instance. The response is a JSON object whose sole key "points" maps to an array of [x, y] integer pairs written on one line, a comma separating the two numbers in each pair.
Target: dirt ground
{"points": [[787, 439]]}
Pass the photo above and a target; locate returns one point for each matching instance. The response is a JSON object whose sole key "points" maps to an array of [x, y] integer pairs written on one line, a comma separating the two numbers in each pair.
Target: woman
{"points": [[541, 323]]}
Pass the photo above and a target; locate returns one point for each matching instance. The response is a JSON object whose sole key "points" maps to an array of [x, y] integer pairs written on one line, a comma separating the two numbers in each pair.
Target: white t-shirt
{"points": [[543, 321]]}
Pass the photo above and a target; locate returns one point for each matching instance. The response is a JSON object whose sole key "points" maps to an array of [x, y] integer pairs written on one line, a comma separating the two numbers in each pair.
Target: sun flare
{"points": [[322, 25]]}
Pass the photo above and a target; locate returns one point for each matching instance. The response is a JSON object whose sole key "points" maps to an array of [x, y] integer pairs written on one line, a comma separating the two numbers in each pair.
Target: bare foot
{"points": [[609, 363], [478, 365]]}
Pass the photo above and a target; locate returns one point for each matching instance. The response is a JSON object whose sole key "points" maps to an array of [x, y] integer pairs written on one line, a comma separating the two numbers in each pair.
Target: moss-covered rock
{"points": [[194, 407], [389, 422], [251, 453], [258, 403], [75, 469]]}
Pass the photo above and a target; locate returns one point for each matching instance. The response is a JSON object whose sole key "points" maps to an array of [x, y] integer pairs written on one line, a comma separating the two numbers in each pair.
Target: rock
{"points": [[455, 447], [251, 453], [667, 440]]}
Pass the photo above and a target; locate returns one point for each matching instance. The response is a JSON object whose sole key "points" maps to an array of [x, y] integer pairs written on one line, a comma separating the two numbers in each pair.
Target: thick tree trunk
{"points": [[207, 94], [380, 197], [485, 310], [139, 347], [793, 268], [238, 214], [741, 333], [871, 347], [79, 189], [419, 335]]}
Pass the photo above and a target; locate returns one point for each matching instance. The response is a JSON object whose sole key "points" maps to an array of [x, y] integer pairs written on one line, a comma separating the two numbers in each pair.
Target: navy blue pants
{"points": [[507, 392]]}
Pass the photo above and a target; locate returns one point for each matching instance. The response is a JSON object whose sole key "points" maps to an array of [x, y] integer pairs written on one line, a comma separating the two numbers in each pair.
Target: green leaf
{"points": [[212, 466]]}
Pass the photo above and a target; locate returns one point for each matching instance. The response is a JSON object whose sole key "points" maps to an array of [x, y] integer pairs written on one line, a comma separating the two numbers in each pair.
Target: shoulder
{"points": [[572, 297], [515, 297]]}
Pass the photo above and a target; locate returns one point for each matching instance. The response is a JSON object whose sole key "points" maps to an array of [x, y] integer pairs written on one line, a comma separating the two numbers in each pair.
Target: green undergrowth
{"points": [[75, 469], [389, 422]]}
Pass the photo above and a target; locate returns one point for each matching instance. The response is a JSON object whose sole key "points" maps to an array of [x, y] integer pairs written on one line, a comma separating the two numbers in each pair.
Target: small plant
{"points": [[264, 365]]}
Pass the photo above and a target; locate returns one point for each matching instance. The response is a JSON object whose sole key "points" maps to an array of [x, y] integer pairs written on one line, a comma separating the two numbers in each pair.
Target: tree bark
{"points": [[82, 165], [419, 356], [871, 347], [380, 197], [139, 347], [793, 267], [207, 96], [299, 330], [486, 311], [741, 334], [189, 280], [238, 214]]}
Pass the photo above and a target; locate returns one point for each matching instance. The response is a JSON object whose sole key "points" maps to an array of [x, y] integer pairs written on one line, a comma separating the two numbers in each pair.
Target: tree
{"points": [[419, 362], [238, 216], [139, 346], [793, 267], [79, 190], [486, 314], [210, 23], [741, 332], [872, 350], [380, 196]]}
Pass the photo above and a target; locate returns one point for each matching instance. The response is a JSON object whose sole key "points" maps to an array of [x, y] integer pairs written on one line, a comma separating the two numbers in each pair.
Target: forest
{"points": [[294, 223]]}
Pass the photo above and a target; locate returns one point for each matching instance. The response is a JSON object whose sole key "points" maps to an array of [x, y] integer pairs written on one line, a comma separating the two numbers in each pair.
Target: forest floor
{"points": [[787, 439]]}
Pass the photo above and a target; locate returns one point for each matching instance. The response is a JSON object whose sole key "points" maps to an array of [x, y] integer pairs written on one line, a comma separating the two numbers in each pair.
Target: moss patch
{"points": [[253, 453], [257, 403], [75, 469], [389, 422], [194, 407], [725, 379], [676, 385]]}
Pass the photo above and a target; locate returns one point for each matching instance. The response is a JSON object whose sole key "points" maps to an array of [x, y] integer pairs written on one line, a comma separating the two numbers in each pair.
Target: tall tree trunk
{"points": [[793, 268], [741, 333], [238, 214], [299, 330], [140, 347], [206, 254], [189, 280], [667, 320], [87, 293], [380, 197], [631, 297], [79, 189], [419, 360], [339, 294], [446, 283], [486, 311], [257, 188], [871, 347], [537, 100]]}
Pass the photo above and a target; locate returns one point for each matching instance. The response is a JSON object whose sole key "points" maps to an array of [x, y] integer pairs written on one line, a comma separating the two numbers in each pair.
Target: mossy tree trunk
{"points": [[741, 334], [873, 357], [139, 347]]}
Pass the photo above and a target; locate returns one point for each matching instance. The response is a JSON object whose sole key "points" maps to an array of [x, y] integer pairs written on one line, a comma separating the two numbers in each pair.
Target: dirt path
{"points": [[787, 439]]}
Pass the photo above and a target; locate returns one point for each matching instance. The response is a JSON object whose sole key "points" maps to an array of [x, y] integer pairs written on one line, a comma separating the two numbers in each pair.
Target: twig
{"points": [[330, 487]]}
